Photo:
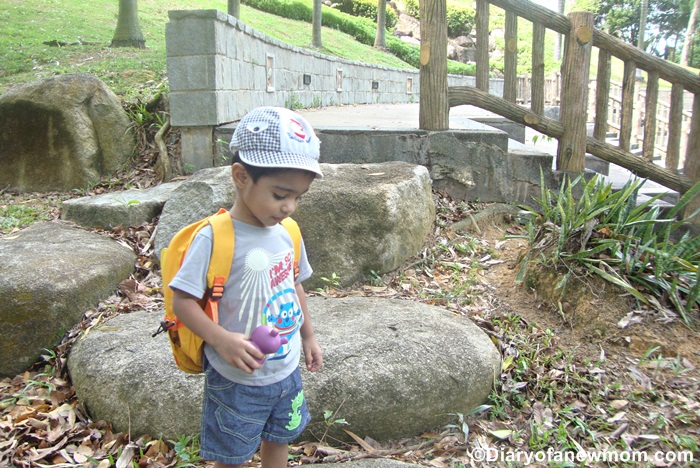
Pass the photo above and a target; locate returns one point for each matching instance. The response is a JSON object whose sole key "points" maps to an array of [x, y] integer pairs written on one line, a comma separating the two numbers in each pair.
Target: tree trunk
{"points": [[643, 25], [380, 38], [128, 32], [234, 8], [560, 37], [434, 109], [316, 25], [690, 33]]}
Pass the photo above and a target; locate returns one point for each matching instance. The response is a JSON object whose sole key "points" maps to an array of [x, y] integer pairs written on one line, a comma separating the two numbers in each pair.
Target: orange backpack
{"points": [[187, 347]]}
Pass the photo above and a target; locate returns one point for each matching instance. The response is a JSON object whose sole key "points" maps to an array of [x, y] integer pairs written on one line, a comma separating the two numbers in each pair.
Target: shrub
{"points": [[367, 9], [361, 29], [606, 233], [460, 21], [412, 8]]}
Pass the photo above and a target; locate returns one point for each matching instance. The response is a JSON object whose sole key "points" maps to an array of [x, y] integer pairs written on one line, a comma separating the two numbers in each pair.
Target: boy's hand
{"points": [[312, 353], [237, 350]]}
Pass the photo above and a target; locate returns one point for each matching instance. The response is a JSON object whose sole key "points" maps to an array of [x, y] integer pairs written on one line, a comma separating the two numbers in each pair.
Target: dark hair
{"points": [[256, 172]]}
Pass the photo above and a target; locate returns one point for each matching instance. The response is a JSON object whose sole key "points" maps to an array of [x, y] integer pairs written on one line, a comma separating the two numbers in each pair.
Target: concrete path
{"points": [[384, 116], [387, 116]]}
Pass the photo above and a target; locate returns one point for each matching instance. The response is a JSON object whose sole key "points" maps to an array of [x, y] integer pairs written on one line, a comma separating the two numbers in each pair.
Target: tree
{"points": [[690, 32], [643, 24], [234, 8], [666, 18], [128, 32], [380, 38], [557, 46], [316, 25]]}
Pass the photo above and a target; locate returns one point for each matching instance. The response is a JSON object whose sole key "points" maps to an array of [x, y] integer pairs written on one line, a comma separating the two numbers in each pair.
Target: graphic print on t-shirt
{"points": [[268, 286]]}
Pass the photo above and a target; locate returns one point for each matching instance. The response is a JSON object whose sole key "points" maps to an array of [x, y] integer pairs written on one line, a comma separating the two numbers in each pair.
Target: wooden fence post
{"points": [[691, 168], [434, 108], [482, 44], [574, 96]]}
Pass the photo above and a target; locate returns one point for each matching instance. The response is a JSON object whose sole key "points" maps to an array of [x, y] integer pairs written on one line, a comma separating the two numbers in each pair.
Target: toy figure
{"points": [[267, 340]]}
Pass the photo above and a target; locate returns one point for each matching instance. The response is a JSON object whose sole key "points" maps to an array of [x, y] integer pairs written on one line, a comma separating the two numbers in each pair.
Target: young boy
{"points": [[248, 404]]}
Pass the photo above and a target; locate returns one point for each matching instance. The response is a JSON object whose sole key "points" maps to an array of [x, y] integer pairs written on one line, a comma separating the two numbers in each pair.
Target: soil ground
{"points": [[591, 316]]}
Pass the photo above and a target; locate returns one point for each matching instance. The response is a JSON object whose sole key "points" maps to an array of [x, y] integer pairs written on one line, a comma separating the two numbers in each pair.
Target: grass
{"points": [[28, 24]]}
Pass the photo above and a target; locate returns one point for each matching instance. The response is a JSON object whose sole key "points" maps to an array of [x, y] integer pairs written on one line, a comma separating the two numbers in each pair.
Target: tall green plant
{"points": [[586, 225]]}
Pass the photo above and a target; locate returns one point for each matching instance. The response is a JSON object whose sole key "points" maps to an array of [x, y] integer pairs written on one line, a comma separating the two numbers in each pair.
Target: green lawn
{"points": [[27, 24]]}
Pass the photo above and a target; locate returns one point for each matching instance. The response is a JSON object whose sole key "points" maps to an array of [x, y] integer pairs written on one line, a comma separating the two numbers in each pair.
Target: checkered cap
{"points": [[277, 137]]}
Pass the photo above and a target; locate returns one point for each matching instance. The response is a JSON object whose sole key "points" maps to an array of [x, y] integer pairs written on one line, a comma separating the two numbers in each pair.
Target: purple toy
{"points": [[267, 340]]}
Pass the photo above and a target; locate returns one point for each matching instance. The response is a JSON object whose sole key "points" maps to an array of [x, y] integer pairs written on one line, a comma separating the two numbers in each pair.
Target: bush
{"points": [[361, 29], [460, 21], [412, 8], [367, 9]]}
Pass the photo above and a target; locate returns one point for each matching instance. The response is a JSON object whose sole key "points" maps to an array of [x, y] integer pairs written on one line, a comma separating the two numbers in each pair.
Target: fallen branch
{"points": [[57, 43], [164, 167]]}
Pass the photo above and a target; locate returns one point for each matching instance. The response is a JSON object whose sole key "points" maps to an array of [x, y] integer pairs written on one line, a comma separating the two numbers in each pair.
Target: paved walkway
{"points": [[383, 116], [387, 116]]}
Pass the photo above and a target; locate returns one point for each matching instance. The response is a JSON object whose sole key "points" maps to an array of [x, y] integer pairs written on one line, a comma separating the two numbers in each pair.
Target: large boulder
{"points": [[62, 133], [392, 369], [359, 218], [199, 196], [50, 274]]}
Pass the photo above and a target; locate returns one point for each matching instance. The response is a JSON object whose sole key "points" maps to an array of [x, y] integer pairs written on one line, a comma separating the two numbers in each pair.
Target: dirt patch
{"points": [[592, 315]]}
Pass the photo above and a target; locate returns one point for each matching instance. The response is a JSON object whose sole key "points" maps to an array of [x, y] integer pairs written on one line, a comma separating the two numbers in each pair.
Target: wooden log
{"points": [[434, 110], [668, 71], [536, 14], [482, 44], [537, 82], [602, 96], [675, 122], [574, 97], [552, 20], [628, 82], [467, 95], [652, 98], [510, 58]]}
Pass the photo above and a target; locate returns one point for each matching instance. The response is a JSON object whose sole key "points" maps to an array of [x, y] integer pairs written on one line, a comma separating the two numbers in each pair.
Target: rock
{"points": [[392, 369], [50, 274], [357, 219], [125, 208], [410, 40], [377, 215], [395, 368], [197, 197], [62, 133]]}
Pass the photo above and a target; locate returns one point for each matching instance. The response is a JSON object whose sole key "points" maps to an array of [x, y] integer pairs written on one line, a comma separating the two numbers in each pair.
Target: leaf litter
{"points": [[562, 387]]}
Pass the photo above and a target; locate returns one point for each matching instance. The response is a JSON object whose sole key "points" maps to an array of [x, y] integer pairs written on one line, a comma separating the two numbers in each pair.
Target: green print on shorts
{"points": [[295, 415]]}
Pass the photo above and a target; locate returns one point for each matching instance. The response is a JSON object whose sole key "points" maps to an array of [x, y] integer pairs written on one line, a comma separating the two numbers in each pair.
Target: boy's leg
{"points": [[273, 454]]}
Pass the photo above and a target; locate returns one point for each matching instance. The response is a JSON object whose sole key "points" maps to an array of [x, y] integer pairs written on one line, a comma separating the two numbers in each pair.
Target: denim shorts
{"points": [[235, 417]]}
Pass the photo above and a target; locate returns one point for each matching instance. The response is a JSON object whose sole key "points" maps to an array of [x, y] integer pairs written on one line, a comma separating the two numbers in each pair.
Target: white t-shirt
{"points": [[260, 291]]}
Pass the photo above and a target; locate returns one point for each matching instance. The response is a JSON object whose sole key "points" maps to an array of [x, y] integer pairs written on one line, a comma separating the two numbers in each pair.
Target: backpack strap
{"points": [[223, 236], [295, 233]]}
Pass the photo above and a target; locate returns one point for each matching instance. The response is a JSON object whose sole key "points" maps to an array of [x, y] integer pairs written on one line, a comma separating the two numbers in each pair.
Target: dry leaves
{"points": [[547, 395]]}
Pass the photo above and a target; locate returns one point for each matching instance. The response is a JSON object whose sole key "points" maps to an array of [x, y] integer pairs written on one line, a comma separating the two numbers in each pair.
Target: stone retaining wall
{"points": [[219, 68]]}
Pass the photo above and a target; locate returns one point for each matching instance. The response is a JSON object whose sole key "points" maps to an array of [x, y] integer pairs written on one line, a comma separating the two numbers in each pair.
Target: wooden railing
{"points": [[552, 90], [570, 129]]}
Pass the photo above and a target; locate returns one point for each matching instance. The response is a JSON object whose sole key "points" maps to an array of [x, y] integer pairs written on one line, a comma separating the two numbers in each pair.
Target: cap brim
{"points": [[281, 160]]}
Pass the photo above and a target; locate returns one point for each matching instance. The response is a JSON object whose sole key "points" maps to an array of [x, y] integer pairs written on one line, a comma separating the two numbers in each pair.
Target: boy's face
{"points": [[271, 199]]}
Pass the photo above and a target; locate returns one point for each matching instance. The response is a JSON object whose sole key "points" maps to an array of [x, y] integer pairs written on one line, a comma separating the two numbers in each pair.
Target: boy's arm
{"points": [[235, 348], [312, 350]]}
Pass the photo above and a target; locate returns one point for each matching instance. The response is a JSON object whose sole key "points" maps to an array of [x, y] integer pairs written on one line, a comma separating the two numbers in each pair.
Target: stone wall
{"points": [[219, 68]]}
